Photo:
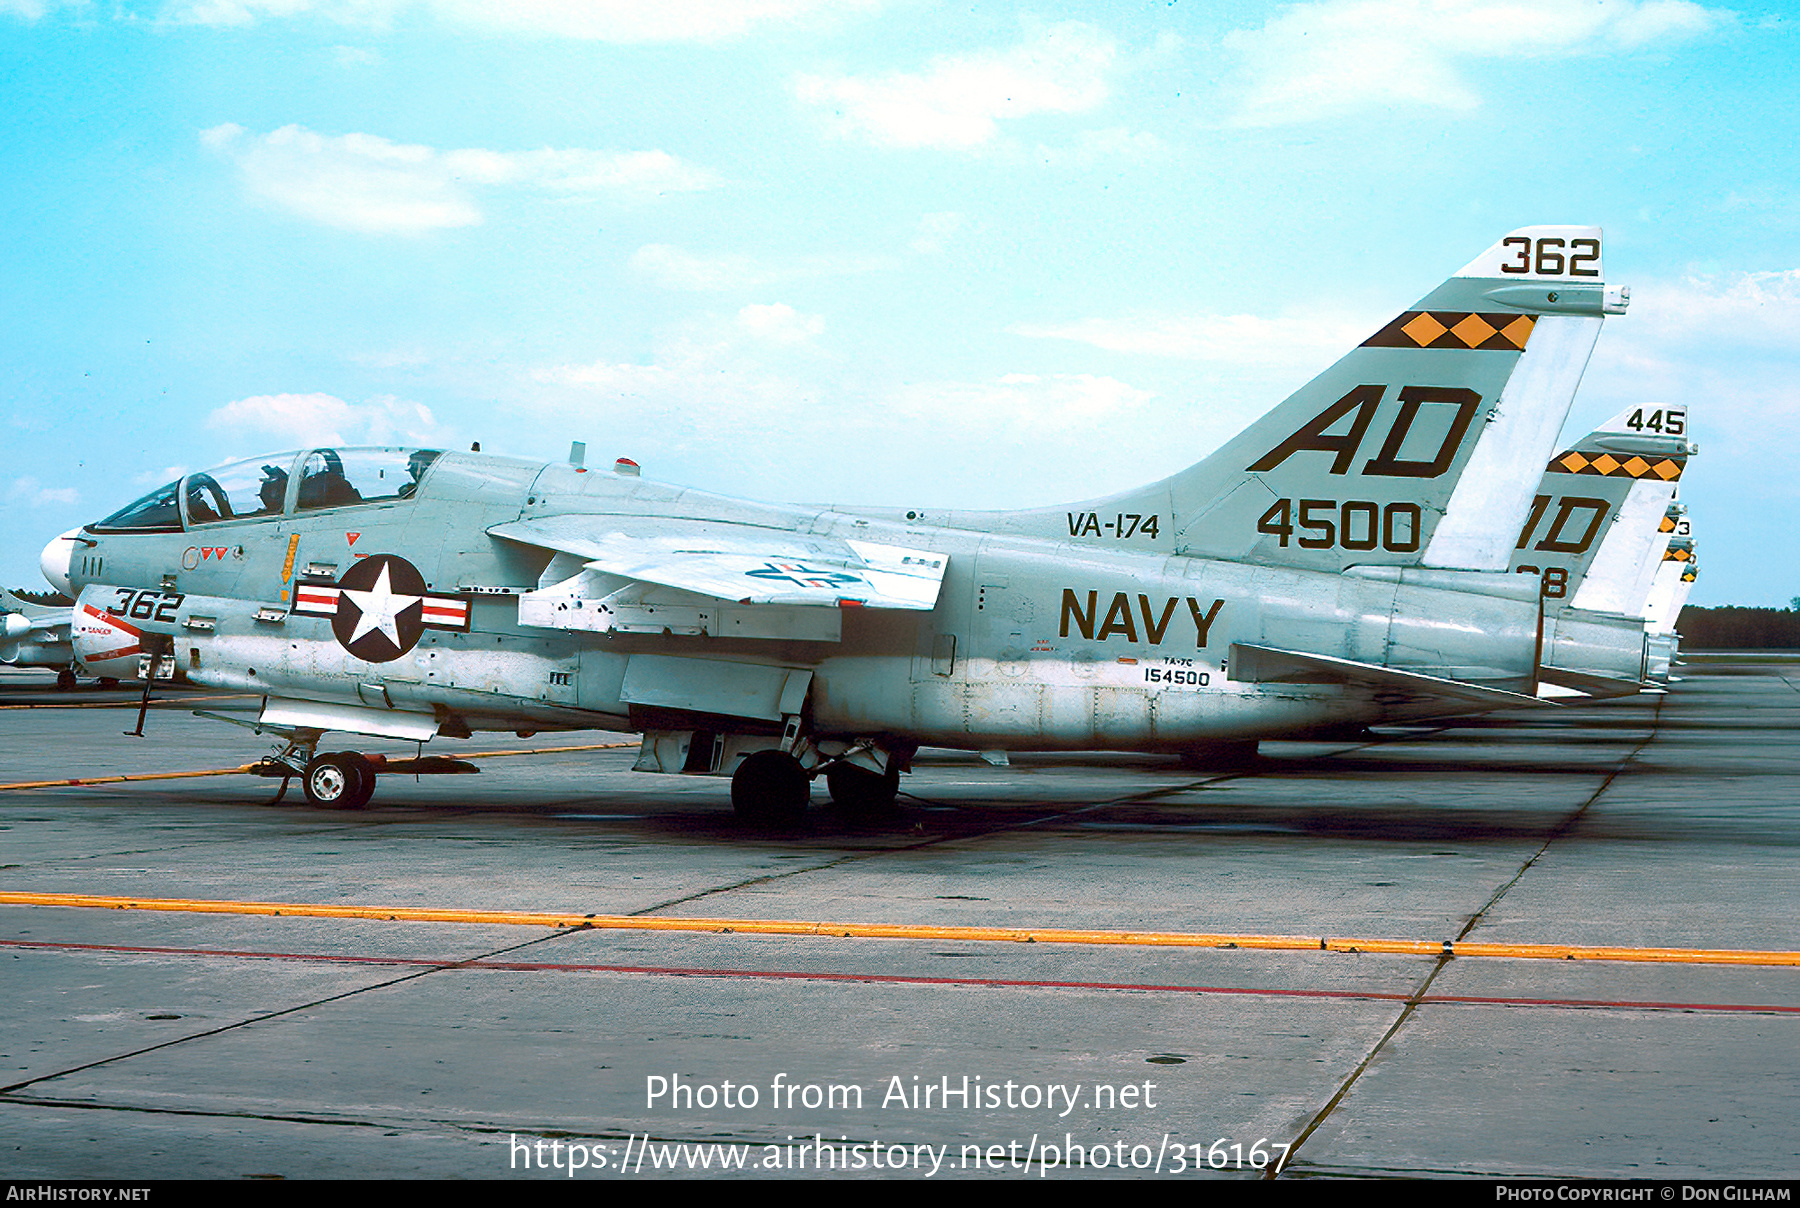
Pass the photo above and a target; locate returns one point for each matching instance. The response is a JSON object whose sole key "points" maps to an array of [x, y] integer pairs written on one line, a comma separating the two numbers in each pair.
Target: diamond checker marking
{"points": [[1424, 329], [1473, 330]]}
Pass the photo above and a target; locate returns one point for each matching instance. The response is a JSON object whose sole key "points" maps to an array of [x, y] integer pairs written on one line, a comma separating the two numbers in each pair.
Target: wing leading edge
{"points": [[739, 563]]}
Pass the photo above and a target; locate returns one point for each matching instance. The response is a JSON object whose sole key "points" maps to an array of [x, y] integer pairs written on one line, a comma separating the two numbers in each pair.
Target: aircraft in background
{"points": [[1598, 528], [1675, 575], [1344, 560], [36, 635]]}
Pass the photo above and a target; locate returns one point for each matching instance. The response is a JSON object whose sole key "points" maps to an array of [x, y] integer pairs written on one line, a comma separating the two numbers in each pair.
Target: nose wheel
{"points": [[342, 780]]}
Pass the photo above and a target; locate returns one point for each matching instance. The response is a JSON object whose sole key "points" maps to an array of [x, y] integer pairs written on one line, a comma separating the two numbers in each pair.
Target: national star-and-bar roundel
{"points": [[380, 607]]}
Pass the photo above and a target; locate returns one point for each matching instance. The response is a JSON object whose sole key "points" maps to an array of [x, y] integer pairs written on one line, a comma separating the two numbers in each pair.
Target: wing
{"points": [[741, 563]]}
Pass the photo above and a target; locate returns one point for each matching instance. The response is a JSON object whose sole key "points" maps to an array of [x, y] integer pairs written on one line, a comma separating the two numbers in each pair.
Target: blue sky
{"points": [[883, 252]]}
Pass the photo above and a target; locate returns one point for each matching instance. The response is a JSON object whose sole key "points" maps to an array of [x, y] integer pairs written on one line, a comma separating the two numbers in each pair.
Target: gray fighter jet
{"points": [[1344, 560], [36, 635]]}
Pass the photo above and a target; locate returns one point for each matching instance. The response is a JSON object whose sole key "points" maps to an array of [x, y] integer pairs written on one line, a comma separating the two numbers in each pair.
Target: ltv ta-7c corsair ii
{"points": [[1344, 560]]}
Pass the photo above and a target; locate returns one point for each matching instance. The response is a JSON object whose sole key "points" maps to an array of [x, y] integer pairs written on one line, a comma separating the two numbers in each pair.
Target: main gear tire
{"points": [[857, 790], [770, 788]]}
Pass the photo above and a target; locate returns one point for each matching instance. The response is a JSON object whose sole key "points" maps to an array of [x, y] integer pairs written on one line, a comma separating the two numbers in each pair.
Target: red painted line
{"points": [[117, 652], [907, 979]]}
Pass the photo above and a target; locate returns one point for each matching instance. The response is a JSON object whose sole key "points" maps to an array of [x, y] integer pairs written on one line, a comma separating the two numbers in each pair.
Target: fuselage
{"points": [[1033, 643]]}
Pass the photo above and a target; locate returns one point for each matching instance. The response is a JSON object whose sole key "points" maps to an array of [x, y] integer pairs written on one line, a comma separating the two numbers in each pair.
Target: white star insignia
{"points": [[379, 606]]}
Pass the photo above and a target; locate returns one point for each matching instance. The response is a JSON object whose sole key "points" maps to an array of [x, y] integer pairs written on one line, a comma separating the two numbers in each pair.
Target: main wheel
{"points": [[342, 780], [770, 786], [860, 791], [65, 679]]}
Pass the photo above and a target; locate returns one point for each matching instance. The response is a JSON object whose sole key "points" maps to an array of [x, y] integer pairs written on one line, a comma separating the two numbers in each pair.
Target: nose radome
{"points": [[54, 561]]}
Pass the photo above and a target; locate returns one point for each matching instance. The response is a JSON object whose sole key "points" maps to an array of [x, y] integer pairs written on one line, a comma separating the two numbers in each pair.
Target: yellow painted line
{"points": [[74, 783], [910, 931], [133, 703], [242, 768]]}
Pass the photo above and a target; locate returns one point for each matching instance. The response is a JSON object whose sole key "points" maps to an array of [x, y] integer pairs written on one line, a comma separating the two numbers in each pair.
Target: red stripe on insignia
{"points": [[440, 611], [316, 600]]}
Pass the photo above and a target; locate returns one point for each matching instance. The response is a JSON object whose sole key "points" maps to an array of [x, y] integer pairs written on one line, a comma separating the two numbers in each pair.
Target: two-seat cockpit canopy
{"points": [[280, 484]]}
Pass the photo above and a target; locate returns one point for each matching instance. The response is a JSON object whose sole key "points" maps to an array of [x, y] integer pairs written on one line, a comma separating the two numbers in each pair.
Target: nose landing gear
{"points": [[342, 780]]}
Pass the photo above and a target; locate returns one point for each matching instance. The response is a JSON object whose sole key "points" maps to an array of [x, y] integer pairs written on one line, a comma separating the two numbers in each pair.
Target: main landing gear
{"points": [[771, 787], [775, 787], [859, 791]]}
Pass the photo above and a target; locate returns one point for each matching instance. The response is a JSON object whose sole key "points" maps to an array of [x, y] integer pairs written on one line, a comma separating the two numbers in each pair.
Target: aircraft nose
{"points": [[54, 561]]}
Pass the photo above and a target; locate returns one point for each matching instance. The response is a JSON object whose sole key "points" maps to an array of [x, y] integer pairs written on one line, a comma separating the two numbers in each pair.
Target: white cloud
{"points": [[1319, 59], [935, 231], [324, 419], [958, 100], [1723, 346], [29, 492], [363, 182], [1237, 340], [1024, 403], [722, 415], [623, 21], [779, 323], [676, 268], [1738, 310], [636, 20], [158, 477], [1091, 147], [356, 56]]}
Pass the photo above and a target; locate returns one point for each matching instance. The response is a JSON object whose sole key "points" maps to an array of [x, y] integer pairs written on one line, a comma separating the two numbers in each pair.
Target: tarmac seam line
{"points": [[1418, 995], [6, 1092]]}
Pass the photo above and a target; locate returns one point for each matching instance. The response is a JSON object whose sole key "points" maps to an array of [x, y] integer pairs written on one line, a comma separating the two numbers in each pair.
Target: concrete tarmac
{"points": [[174, 1044]]}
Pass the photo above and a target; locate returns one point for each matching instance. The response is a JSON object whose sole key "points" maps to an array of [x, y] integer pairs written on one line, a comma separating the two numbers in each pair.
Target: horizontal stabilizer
{"points": [[741, 563], [1267, 665], [1601, 687]]}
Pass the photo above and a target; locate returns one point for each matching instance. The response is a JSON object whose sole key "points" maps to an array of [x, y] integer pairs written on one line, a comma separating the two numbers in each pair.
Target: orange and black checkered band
{"points": [[1666, 468], [1667, 525], [1454, 329], [1676, 553]]}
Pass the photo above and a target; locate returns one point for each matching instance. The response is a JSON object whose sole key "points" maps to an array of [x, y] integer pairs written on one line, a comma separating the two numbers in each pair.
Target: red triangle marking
{"points": [[351, 537]]}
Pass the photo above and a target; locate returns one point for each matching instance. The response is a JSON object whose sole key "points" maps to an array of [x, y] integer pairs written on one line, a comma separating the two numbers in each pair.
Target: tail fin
{"points": [[1675, 576], [1594, 531], [1422, 446]]}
